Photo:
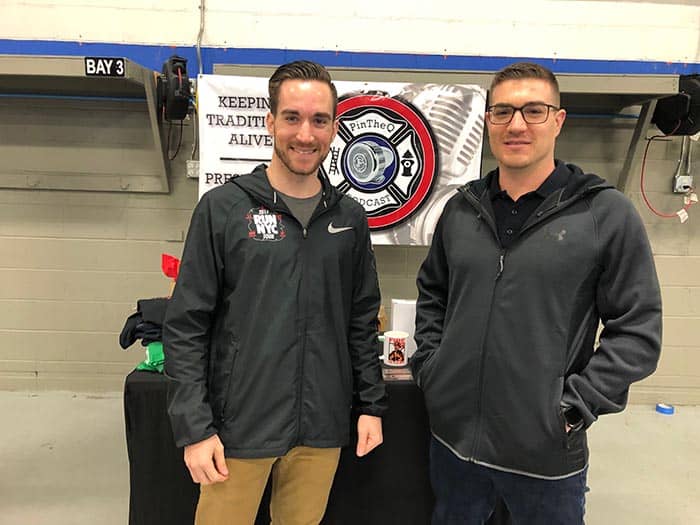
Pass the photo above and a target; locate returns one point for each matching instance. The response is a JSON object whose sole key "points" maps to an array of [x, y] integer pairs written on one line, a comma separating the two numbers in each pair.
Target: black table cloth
{"points": [[389, 486]]}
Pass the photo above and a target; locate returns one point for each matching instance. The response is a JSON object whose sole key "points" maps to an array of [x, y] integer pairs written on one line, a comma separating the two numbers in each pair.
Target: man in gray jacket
{"points": [[270, 336], [523, 266]]}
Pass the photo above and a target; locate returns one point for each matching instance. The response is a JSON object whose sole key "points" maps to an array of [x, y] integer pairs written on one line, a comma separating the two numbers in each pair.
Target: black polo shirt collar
{"points": [[510, 216], [556, 180]]}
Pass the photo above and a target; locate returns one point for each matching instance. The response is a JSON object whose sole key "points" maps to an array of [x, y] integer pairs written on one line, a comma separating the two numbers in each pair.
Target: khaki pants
{"points": [[301, 482]]}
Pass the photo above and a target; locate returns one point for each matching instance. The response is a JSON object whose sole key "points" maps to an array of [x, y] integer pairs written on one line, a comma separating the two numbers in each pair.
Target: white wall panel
{"points": [[652, 31], [100, 21]]}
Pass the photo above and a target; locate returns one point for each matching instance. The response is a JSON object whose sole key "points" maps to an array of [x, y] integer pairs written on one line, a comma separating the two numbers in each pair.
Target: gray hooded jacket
{"points": [[506, 338]]}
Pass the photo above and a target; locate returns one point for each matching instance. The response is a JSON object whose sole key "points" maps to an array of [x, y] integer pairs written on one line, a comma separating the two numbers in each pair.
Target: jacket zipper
{"points": [[482, 356], [501, 261], [482, 215], [302, 329], [302, 333], [302, 336]]}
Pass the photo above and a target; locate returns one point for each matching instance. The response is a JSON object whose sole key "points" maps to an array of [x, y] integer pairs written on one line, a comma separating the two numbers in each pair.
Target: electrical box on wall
{"points": [[683, 178], [192, 169]]}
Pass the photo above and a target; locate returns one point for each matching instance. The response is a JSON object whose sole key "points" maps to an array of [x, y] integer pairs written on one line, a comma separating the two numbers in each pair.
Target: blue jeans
{"points": [[466, 493]]}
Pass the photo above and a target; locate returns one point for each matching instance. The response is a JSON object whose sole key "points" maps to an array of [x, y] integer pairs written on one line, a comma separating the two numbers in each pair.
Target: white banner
{"points": [[401, 149]]}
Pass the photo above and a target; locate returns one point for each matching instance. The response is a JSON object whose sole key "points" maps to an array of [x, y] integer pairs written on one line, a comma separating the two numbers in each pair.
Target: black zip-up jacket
{"points": [[272, 327], [506, 337]]}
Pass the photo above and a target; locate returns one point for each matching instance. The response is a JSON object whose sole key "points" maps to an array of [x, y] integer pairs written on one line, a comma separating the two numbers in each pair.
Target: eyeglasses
{"points": [[533, 113]]}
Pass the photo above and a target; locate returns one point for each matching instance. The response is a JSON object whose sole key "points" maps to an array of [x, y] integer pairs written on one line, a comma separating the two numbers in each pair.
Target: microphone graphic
{"points": [[456, 116]]}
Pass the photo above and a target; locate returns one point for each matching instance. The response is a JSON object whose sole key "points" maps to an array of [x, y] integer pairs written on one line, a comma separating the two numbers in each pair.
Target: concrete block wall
{"points": [[73, 264]]}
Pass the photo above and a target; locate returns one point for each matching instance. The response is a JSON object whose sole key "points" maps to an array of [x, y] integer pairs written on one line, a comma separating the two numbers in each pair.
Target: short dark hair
{"points": [[299, 70], [526, 70]]}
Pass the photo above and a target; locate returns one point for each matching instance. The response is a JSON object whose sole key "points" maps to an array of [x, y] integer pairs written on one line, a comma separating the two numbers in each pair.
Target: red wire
{"points": [[644, 195]]}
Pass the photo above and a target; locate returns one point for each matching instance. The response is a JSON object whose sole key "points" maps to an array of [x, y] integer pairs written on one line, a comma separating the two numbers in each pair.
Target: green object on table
{"points": [[154, 358]]}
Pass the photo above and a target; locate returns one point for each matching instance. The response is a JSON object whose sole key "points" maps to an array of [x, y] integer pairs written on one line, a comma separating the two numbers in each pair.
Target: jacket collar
{"points": [[554, 181], [257, 185], [567, 181]]}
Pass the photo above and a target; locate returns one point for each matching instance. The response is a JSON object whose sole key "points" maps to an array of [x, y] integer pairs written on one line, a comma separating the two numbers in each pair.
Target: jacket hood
{"points": [[257, 185], [578, 183]]}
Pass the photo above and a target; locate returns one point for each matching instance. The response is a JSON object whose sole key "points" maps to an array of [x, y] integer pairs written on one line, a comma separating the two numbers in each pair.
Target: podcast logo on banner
{"points": [[384, 156], [264, 225]]}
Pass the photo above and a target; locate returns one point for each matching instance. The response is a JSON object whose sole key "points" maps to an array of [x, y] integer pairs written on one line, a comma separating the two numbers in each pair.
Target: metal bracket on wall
{"points": [[636, 144], [79, 123]]}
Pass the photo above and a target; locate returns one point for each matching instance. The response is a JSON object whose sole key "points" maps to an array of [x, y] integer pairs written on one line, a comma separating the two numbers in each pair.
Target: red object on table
{"points": [[170, 265]]}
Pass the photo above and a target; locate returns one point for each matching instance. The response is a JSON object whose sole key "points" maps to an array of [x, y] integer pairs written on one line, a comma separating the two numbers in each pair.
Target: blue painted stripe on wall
{"points": [[153, 56]]}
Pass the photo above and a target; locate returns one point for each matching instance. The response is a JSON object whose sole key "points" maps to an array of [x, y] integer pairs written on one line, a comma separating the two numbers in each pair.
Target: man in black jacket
{"points": [[523, 266], [272, 325]]}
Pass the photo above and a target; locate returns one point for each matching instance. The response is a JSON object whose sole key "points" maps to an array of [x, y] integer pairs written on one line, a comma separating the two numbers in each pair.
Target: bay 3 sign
{"points": [[104, 67]]}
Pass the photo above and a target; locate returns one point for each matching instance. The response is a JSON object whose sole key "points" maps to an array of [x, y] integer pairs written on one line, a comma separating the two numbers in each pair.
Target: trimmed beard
{"points": [[287, 164]]}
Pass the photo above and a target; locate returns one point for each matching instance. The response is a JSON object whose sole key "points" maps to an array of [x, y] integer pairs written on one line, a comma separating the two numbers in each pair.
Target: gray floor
{"points": [[63, 462]]}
